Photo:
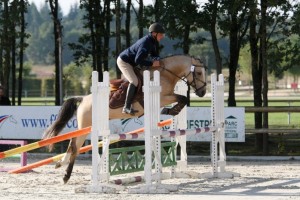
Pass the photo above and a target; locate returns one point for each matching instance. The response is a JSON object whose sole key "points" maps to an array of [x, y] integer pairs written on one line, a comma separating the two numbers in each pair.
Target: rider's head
{"points": [[157, 31]]}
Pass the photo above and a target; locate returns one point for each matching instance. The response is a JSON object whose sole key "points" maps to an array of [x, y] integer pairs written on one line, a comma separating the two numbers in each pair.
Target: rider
{"points": [[137, 55]]}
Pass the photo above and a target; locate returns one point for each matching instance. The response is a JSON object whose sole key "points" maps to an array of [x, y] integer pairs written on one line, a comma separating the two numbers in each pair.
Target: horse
{"points": [[173, 68]]}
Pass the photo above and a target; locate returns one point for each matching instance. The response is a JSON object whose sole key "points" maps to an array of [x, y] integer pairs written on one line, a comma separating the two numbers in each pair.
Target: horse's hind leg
{"points": [[70, 156], [75, 145], [66, 158], [84, 119]]}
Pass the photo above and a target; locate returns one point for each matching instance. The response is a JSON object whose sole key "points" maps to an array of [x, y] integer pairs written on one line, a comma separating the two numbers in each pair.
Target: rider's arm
{"points": [[141, 57]]}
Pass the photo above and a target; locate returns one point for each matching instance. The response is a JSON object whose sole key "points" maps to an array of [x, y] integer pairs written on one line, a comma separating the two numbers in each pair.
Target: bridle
{"points": [[192, 71]]}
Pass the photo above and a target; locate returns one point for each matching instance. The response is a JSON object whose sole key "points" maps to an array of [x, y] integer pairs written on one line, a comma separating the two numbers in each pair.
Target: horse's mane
{"points": [[196, 58], [172, 55]]}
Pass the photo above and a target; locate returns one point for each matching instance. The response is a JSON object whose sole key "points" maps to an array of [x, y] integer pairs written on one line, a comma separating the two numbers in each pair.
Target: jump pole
{"points": [[45, 142], [82, 150]]}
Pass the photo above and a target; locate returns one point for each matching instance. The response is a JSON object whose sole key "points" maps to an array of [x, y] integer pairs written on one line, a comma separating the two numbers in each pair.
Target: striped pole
{"points": [[164, 134], [82, 150], [137, 179], [176, 133], [45, 142]]}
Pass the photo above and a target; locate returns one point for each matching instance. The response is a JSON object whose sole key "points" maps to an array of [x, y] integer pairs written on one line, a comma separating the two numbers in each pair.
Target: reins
{"points": [[184, 78]]}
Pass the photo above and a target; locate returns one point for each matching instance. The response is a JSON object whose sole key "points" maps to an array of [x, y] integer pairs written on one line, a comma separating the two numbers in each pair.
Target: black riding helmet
{"points": [[156, 27]]}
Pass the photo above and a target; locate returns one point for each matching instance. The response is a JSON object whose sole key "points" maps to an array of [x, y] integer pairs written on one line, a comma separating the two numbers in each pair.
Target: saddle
{"points": [[118, 90]]}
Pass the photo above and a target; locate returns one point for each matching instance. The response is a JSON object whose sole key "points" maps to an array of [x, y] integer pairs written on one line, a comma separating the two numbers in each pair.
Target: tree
{"points": [[90, 45], [5, 45], [107, 16], [263, 63], [12, 39], [256, 68], [23, 45], [269, 29], [140, 18], [118, 33], [208, 20], [40, 27], [180, 25], [234, 23], [54, 8], [13, 10]]}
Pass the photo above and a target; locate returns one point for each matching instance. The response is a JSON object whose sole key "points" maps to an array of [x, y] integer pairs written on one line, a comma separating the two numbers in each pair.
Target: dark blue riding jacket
{"points": [[138, 53]]}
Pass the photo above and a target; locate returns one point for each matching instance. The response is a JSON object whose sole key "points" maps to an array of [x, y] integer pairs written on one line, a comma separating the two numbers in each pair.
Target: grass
{"points": [[38, 101], [279, 144], [276, 120]]}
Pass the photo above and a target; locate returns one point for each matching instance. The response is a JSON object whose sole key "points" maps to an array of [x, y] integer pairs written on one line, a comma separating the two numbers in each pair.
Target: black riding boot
{"points": [[129, 98]]}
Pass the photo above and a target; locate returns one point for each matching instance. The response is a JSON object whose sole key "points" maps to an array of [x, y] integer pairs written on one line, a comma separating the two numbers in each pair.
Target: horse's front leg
{"points": [[175, 110]]}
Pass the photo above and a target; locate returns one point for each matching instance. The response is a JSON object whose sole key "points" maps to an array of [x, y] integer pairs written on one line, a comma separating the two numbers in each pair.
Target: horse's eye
{"points": [[199, 73]]}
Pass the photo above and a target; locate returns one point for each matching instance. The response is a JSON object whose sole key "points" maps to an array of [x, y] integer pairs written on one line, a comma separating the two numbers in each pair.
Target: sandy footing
{"points": [[266, 180]]}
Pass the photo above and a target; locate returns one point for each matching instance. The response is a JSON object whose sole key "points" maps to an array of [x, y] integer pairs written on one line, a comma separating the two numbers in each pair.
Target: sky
{"points": [[66, 4]]}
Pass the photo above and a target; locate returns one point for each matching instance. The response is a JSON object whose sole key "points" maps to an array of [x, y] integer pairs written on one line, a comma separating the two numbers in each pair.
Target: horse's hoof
{"points": [[165, 111], [58, 165], [66, 179]]}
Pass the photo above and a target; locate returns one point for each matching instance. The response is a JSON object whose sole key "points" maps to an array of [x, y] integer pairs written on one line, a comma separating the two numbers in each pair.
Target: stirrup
{"points": [[130, 111]]}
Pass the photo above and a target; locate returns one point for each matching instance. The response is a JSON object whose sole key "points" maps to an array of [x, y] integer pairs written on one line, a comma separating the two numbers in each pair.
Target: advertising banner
{"points": [[29, 122]]}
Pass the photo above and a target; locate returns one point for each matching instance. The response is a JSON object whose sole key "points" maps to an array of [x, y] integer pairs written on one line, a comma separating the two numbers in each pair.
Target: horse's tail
{"points": [[66, 112]]}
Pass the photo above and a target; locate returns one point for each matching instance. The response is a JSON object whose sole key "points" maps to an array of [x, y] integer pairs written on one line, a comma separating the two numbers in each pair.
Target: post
{"points": [[218, 158], [156, 132], [152, 91], [147, 122], [181, 123], [100, 127], [214, 142], [94, 134], [220, 121], [152, 132]]}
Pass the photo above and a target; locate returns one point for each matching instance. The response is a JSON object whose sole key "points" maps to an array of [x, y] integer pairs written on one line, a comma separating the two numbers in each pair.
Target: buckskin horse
{"points": [[172, 69]]}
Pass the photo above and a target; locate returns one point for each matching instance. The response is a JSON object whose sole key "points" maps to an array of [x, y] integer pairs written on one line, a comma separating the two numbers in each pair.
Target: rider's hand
{"points": [[156, 63]]}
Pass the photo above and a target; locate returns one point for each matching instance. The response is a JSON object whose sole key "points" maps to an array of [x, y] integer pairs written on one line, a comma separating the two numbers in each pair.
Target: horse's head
{"points": [[187, 68], [197, 77]]}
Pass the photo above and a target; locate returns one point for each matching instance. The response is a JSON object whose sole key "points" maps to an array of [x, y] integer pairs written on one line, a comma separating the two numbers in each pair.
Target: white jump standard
{"points": [[101, 182]]}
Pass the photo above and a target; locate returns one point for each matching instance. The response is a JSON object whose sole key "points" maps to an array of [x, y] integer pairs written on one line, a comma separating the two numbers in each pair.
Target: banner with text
{"points": [[29, 122]]}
